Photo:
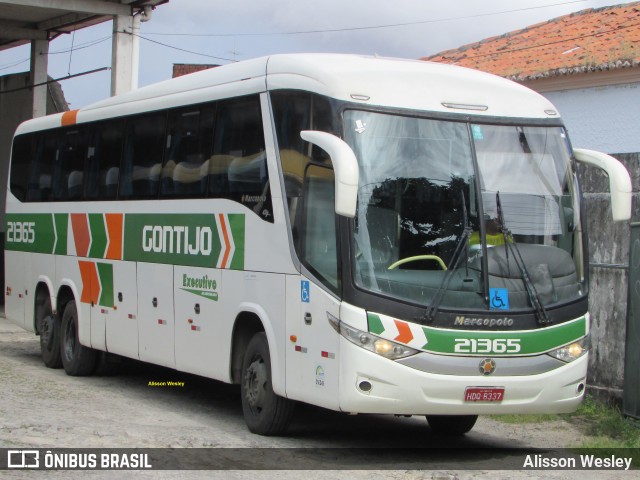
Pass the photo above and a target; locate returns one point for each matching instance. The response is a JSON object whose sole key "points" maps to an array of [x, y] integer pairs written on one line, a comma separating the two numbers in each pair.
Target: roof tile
{"points": [[605, 38]]}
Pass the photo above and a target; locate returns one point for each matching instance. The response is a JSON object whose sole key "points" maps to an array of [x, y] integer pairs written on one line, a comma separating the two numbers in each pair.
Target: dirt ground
{"points": [[45, 408]]}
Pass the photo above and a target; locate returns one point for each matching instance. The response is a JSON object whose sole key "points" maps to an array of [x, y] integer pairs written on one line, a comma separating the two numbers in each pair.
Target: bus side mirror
{"points": [[619, 181], [345, 167]]}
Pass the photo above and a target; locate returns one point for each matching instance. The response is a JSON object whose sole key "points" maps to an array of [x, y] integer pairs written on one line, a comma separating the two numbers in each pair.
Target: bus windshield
{"points": [[468, 216]]}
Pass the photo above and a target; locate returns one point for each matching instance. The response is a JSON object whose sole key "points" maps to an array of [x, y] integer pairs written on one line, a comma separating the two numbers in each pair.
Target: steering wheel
{"points": [[402, 261]]}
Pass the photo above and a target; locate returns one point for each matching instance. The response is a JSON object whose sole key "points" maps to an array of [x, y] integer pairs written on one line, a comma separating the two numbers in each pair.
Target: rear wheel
{"points": [[49, 330], [77, 360], [264, 412], [452, 425]]}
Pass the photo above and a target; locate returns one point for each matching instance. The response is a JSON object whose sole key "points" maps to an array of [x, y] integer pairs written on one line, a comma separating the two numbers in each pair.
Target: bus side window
{"points": [[41, 168], [103, 164], [293, 112], [22, 153], [238, 166], [68, 170], [318, 233], [142, 159], [188, 149]]}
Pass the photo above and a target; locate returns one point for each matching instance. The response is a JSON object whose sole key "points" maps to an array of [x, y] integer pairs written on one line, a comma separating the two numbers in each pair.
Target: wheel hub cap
{"points": [[254, 381]]}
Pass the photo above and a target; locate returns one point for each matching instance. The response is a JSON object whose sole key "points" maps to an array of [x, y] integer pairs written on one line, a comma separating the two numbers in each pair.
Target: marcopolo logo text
{"points": [[463, 321]]}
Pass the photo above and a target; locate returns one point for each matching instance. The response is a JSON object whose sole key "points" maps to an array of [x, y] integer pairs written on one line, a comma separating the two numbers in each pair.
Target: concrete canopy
{"points": [[39, 21], [22, 21]]}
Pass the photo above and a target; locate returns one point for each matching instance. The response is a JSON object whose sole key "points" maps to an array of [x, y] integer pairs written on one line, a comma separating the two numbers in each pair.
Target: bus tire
{"points": [[452, 425], [264, 412], [77, 360], [49, 330]]}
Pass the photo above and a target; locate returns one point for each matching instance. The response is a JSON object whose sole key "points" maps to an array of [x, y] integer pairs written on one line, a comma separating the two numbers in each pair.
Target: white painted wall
{"points": [[606, 118]]}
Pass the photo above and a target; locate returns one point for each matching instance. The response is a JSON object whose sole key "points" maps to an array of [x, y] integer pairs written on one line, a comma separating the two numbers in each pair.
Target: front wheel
{"points": [[264, 412], [452, 425], [77, 360]]}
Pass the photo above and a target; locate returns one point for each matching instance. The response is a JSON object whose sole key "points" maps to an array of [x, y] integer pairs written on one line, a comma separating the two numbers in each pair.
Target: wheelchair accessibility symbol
{"points": [[499, 298], [304, 291]]}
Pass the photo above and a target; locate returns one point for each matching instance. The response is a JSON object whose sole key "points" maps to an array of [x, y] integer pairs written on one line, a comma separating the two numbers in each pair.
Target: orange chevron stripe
{"points": [[115, 222], [69, 118], [90, 282], [227, 243], [404, 331], [81, 234]]}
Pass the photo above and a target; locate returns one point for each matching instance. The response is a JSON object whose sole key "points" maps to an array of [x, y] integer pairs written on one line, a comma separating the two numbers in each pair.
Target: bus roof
{"points": [[385, 82]]}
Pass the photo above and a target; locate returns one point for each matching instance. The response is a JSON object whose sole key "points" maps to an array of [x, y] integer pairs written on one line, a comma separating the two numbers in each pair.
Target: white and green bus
{"points": [[366, 235]]}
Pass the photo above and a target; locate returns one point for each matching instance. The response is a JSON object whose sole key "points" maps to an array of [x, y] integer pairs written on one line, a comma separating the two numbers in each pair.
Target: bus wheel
{"points": [[452, 425], [264, 412], [49, 329], [76, 359]]}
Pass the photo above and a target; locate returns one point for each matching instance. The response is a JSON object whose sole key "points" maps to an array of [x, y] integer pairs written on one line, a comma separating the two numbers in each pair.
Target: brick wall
{"points": [[180, 69]]}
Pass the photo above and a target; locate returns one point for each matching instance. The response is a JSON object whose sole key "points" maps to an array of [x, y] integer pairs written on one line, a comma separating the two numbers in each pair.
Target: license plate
{"points": [[484, 394]]}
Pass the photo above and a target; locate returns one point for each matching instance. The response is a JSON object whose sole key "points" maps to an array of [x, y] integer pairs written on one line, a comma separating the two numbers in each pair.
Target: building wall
{"points": [[609, 278], [604, 118], [607, 119]]}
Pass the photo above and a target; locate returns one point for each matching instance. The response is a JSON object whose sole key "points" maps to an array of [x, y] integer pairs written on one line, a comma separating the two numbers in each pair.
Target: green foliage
{"points": [[604, 426], [526, 418]]}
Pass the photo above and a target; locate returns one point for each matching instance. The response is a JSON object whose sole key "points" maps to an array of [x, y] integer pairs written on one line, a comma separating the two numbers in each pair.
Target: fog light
{"points": [[365, 386]]}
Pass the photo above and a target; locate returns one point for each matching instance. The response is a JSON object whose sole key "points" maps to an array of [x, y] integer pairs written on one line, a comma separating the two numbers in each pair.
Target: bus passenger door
{"points": [[312, 368], [312, 360], [155, 313]]}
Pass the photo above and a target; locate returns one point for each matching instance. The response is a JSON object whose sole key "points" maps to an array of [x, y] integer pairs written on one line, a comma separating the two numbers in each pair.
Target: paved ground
{"points": [[45, 408]]}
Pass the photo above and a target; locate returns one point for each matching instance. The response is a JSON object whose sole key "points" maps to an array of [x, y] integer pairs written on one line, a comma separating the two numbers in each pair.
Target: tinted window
{"points": [[68, 169], [189, 147], [318, 233], [142, 159], [293, 113], [103, 163], [41, 167], [238, 167], [22, 153]]}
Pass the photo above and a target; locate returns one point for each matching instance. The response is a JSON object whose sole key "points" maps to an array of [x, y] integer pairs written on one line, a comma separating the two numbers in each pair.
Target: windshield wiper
{"points": [[462, 246], [510, 243]]}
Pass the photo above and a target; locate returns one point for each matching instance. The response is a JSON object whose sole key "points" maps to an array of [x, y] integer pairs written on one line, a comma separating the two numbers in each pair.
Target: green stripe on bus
{"points": [[98, 235], [105, 274], [236, 224], [375, 324], [530, 342], [492, 343], [61, 221], [29, 232], [178, 239]]}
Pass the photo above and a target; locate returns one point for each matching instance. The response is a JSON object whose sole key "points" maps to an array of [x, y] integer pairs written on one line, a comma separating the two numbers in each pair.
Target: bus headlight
{"points": [[572, 351], [385, 348]]}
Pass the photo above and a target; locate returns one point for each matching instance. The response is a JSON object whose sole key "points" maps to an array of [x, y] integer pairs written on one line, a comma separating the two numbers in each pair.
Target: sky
{"points": [[220, 32]]}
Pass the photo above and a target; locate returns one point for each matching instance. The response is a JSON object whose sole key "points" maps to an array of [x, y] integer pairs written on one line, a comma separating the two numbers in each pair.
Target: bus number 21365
{"points": [[487, 345]]}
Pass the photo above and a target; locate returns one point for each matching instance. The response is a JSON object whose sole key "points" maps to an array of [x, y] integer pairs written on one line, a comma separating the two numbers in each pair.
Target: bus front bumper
{"points": [[370, 383]]}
